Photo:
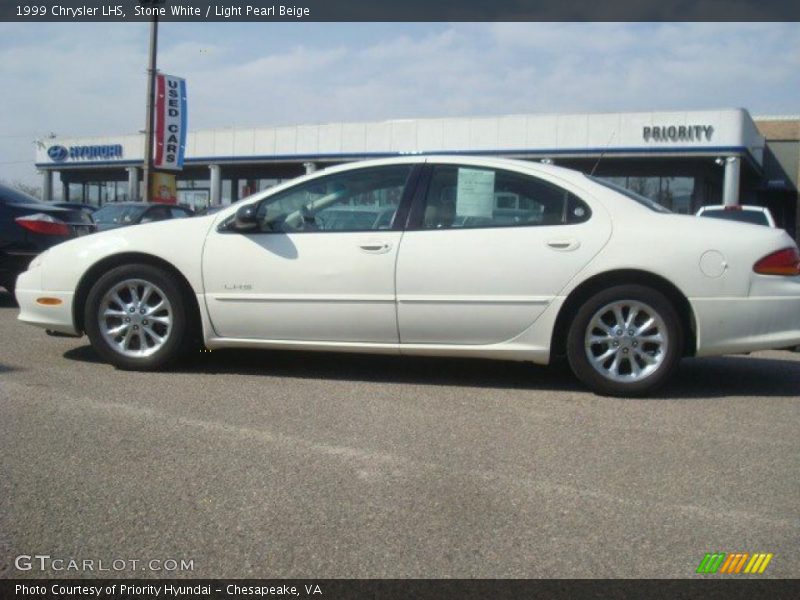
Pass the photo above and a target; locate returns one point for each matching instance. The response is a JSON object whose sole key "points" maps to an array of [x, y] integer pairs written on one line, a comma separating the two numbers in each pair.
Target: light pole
{"points": [[148, 128]]}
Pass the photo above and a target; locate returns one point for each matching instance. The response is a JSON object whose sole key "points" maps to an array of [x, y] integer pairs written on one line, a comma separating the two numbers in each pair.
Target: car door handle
{"points": [[375, 247], [564, 245]]}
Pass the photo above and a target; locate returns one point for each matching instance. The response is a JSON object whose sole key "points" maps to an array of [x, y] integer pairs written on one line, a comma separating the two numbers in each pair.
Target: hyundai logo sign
{"points": [[104, 152], [57, 153]]}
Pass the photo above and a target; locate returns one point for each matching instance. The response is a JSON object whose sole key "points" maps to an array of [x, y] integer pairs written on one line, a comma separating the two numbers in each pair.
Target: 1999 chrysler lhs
{"points": [[446, 256]]}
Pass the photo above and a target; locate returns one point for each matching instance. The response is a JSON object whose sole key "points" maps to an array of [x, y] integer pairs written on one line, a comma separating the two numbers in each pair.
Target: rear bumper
{"points": [[53, 317], [730, 325]]}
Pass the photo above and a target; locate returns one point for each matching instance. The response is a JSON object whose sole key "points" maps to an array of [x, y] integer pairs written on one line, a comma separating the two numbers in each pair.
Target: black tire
{"points": [[614, 383], [176, 338]]}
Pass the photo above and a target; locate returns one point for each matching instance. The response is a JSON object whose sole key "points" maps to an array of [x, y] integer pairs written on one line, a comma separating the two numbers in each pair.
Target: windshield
{"points": [[120, 215], [638, 198], [756, 217]]}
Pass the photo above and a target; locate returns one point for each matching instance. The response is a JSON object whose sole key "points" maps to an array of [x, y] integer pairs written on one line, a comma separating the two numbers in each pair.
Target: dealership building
{"points": [[682, 159]]}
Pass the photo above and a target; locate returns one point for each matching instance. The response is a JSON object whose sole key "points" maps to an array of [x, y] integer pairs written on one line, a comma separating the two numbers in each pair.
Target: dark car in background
{"points": [[28, 227], [122, 214], [209, 210]]}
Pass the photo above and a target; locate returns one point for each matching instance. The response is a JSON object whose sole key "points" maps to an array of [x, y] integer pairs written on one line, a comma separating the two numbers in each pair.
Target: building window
{"points": [[675, 193], [75, 192]]}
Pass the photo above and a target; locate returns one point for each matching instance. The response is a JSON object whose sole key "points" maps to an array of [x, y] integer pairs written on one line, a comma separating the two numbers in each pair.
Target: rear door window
{"points": [[471, 197]]}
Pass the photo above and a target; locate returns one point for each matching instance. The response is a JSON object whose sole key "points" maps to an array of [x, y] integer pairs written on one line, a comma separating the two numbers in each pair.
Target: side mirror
{"points": [[246, 219]]}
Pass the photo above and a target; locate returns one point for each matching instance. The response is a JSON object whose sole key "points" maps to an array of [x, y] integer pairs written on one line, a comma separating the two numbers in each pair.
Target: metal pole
{"points": [[730, 184], [148, 128]]}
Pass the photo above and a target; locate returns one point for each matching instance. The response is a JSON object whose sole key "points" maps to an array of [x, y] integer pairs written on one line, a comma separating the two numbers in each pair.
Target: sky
{"points": [[75, 79]]}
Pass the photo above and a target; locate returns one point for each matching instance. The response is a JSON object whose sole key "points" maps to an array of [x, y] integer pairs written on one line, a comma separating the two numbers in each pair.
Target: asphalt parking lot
{"points": [[275, 464]]}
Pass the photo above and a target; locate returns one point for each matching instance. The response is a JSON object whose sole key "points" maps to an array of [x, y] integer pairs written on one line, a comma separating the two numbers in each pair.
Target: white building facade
{"points": [[683, 159]]}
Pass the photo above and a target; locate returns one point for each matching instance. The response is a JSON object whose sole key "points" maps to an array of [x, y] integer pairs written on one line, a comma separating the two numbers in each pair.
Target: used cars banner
{"points": [[170, 134]]}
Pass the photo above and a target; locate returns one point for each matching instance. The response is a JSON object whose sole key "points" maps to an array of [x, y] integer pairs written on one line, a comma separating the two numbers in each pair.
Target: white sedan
{"points": [[436, 256]]}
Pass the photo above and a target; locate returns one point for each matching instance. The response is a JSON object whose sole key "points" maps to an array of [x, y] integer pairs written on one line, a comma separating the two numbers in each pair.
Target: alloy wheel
{"points": [[626, 341], [135, 318]]}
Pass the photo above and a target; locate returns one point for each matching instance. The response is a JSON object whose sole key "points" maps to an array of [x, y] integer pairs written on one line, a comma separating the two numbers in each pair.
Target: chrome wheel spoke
{"points": [[636, 370], [151, 310], [597, 323], [146, 293], [614, 366], [119, 301], [153, 335], [134, 292], [604, 356], [646, 326], [115, 331], [655, 338], [647, 358], [126, 339], [619, 320]]}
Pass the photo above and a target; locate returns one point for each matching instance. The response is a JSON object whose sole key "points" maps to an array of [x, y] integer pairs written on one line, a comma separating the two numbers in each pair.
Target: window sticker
{"points": [[475, 193]]}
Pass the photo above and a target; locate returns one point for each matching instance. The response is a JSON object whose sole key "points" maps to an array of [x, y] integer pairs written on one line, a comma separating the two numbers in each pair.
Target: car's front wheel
{"points": [[625, 341], [136, 317]]}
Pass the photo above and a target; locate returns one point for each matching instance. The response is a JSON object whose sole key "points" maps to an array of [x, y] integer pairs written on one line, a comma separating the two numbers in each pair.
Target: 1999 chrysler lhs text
{"points": [[446, 256]]}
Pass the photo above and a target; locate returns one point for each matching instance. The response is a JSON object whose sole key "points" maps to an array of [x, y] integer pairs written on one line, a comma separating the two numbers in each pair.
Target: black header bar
{"points": [[399, 10]]}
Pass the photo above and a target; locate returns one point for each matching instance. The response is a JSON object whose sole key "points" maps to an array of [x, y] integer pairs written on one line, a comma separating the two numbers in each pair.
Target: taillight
{"points": [[44, 224], [782, 262]]}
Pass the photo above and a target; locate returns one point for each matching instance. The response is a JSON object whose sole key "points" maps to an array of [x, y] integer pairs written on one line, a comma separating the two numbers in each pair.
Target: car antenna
{"points": [[603, 153]]}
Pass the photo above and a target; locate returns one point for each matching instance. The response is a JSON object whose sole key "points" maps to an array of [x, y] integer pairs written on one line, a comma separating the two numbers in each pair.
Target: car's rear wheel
{"points": [[136, 317], [625, 341]]}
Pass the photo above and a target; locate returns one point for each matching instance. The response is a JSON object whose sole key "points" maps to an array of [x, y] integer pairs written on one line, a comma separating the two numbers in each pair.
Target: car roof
{"points": [[465, 159], [514, 164]]}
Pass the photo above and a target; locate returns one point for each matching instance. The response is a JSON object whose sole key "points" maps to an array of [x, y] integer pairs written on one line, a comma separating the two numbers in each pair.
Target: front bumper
{"points": [[56, 317]]}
